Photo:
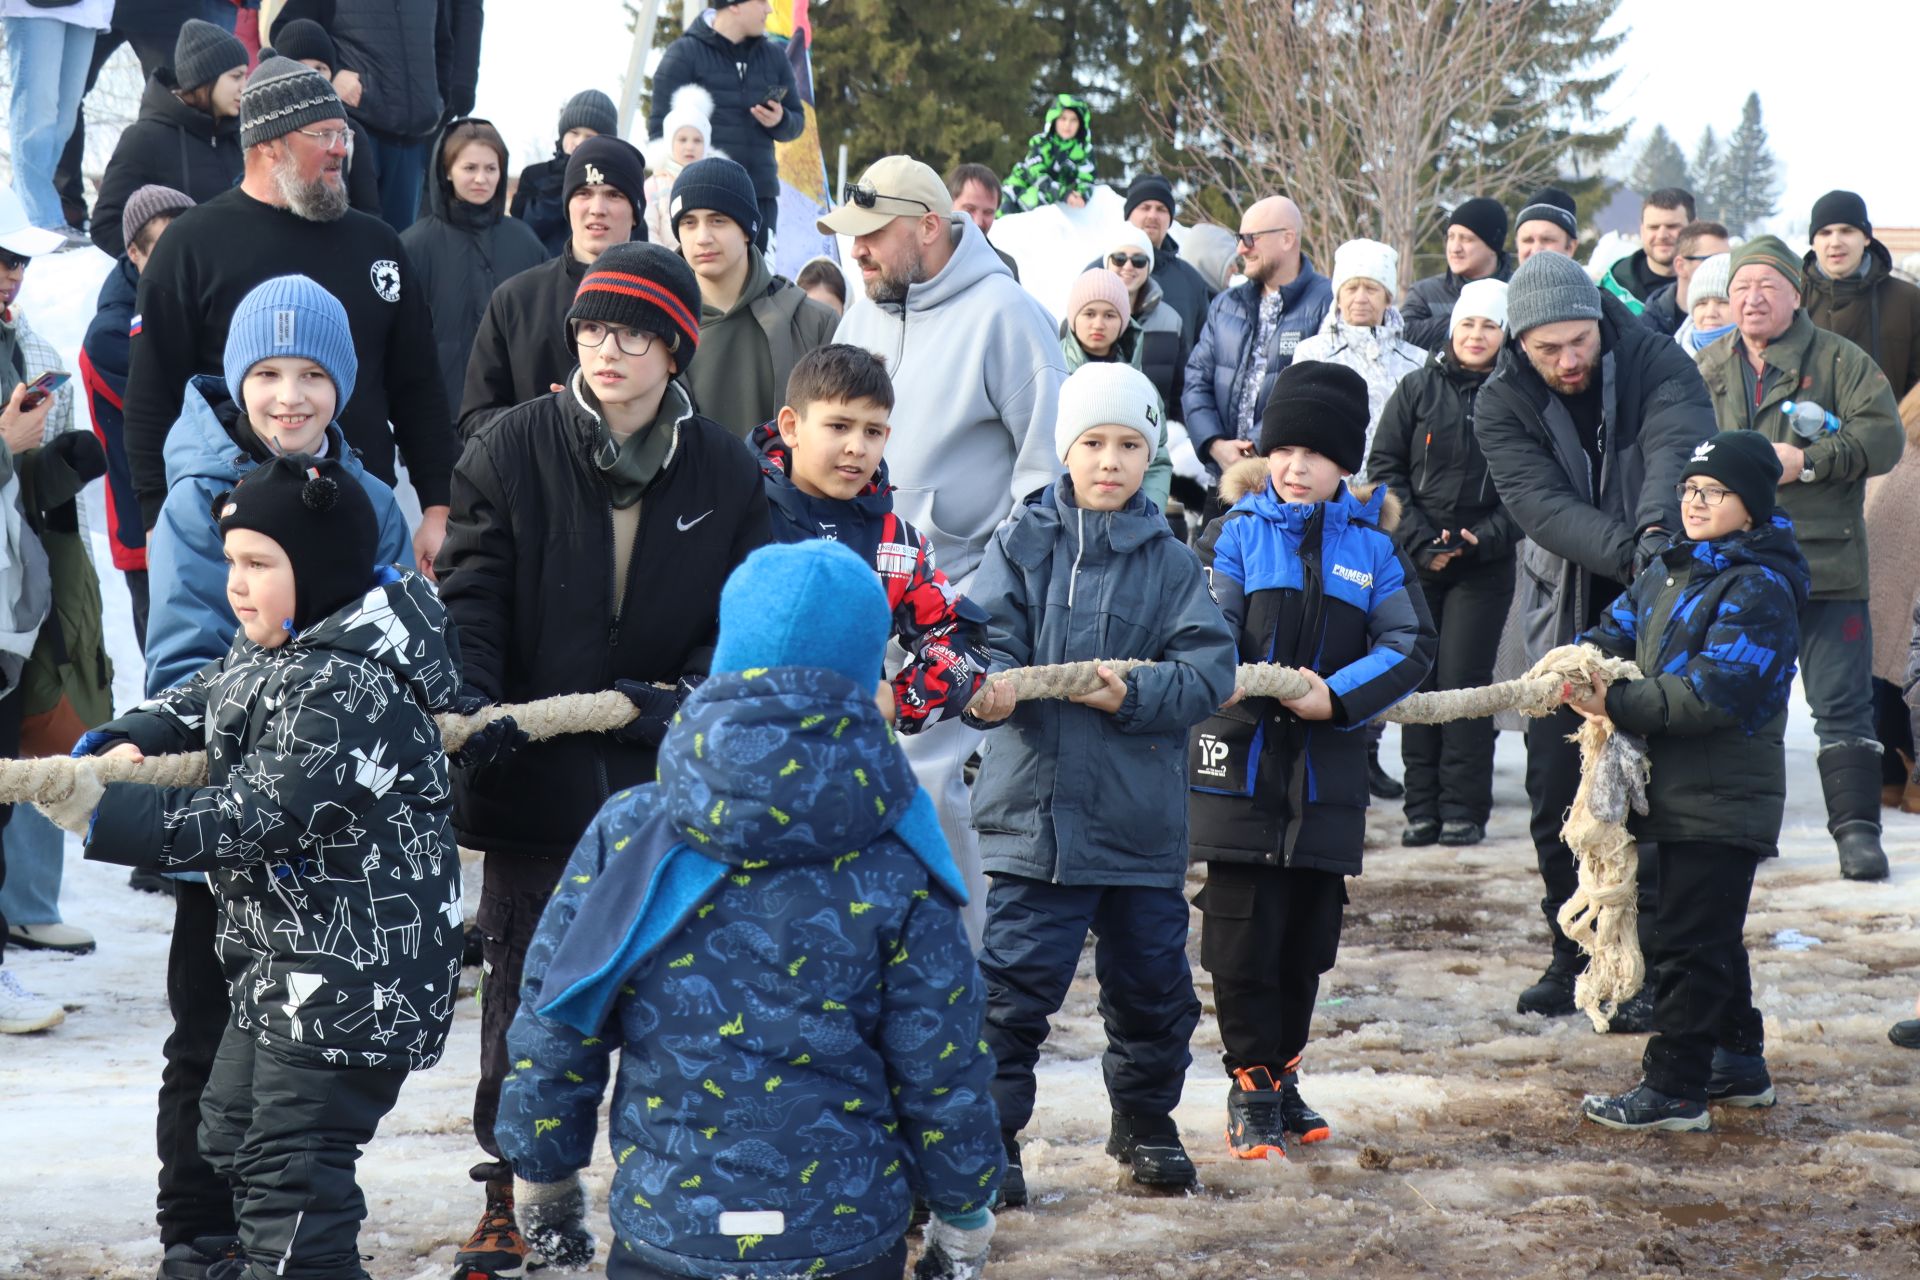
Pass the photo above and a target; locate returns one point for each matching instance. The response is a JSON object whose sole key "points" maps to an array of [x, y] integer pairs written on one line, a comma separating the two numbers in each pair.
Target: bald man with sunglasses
{"points": [[1251, 333]]}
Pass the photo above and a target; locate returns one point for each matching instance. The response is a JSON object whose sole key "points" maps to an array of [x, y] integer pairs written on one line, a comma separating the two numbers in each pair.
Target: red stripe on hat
{"points": [[633, 286]]}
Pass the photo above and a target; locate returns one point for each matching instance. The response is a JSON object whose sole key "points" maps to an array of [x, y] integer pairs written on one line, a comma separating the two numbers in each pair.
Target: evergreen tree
{"points": [[1750, 180], [945, 83], [1661, 163], [1705, 172]]}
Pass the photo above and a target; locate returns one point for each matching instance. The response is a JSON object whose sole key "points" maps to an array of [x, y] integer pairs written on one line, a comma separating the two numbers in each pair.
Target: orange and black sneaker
{"points": [[496, 1250], [1299, 1119], [1255, 1127]]}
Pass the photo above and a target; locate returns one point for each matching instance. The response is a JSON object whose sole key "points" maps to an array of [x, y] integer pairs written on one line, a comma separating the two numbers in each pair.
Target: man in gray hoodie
{"points": [[976, 369]]}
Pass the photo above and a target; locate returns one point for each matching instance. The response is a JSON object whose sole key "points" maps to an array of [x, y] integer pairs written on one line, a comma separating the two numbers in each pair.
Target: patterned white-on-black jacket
{"points": [[322, 827]]}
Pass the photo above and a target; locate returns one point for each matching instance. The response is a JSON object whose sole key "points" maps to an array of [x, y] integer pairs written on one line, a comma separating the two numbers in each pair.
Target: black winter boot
{"points": [[1634, 1017], [1299, 1119], [1740, 1080], [1256, 1124], [1850, 776], [1381, 785], [1151, 1144], [1013, 1186], [1552, 995]]}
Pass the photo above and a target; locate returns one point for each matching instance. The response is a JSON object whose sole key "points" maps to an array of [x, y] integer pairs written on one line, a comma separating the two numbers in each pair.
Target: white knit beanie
{"points": [[692, 108], [1711, 279], [1107, 394], [1130, 239], [1367, 260], [1486, 299]]}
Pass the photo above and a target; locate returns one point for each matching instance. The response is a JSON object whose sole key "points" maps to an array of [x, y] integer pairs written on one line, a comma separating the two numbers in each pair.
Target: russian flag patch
{"points": [[133, 330]]}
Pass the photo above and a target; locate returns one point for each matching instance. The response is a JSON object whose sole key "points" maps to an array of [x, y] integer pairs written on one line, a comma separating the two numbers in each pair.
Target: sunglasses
{"points": [[11, 261], [1140, 260], [865, 196], [1247, 238]]}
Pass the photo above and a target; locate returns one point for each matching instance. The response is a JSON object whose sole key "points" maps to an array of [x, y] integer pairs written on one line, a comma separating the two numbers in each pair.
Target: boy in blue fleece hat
{"points": [[1307, 572], [770, 938], [1079, 804], [289, 373]]}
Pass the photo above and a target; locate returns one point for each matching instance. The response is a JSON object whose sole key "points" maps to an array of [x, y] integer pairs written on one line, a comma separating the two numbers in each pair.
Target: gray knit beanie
{"points": [[282, 95], [1547, 289], [150, 202], [589, 109], [203, 53]]}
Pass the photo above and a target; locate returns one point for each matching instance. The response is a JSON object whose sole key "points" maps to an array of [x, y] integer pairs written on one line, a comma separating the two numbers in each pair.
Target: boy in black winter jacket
{"points": [[1307, 574], [540, 196], [591, 531], [1713, 623], [323, 830]]}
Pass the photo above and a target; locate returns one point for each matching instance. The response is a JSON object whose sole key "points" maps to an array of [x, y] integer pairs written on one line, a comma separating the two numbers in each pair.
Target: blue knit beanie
{"points": [[719, 184], [291, 316], [804, 604]]}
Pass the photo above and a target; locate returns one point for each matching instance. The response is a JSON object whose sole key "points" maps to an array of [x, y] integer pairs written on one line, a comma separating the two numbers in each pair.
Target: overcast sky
{"points": [[1837, 83]]}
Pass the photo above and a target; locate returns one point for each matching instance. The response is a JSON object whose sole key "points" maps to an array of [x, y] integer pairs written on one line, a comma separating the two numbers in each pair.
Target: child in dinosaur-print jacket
{"points": [[1059, 163], [769, 937]]}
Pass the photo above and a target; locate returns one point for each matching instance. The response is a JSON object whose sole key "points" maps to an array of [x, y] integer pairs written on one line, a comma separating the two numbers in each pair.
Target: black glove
{"points": [[657, 707], [495, 743]]}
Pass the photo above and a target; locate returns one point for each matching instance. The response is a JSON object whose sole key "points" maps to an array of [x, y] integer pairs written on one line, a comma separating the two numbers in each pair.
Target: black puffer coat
{"points": [[738, 76], [521, 348], [1425, 452], [527, 573], [403, 52], [170, 144], [323, 825], [536, 200], [461, 253]]}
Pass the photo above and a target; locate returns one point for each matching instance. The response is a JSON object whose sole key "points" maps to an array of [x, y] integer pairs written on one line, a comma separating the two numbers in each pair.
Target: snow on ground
{"points": [[1457, 1146]]}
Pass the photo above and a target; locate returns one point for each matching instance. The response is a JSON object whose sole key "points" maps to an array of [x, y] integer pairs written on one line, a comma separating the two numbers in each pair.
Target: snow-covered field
{"points": [[1457, 1149]]}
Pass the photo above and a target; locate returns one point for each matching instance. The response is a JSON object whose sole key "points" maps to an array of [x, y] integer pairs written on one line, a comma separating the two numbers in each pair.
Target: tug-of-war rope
{"points": [[1600, 916]]}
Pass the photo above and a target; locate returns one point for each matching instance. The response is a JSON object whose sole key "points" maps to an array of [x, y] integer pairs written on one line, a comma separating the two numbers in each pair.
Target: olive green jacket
{"points": [[1824, 369]]}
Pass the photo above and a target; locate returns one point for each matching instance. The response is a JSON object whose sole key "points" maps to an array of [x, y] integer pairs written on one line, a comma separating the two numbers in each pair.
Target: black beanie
{"points": [[321, 516], [719, 184], [1745, 462], [303, 38], [611, 161], [1322, 406], [590, 109], [1149, 186], [647, 288], [202, 53], [1485, 218], [1843, 207], [1551, 204]]}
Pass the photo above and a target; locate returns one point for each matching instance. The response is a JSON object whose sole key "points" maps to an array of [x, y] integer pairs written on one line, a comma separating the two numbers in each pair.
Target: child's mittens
{"points": [[956, 1247], [74, 811], [553, 1218]]}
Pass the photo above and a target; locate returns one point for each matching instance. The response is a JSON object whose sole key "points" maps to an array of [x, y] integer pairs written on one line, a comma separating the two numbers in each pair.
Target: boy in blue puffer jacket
{"points": [[770, 937], [1713, 624], [1079, 804], [1306, 571]]}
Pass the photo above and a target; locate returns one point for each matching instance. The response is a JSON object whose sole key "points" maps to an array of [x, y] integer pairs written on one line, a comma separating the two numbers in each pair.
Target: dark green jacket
{"points": [[1812, 365], [1714, 627]]}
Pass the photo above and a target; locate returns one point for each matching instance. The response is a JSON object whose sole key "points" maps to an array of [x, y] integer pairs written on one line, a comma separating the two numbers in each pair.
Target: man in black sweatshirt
{"points": [[289, 216]]}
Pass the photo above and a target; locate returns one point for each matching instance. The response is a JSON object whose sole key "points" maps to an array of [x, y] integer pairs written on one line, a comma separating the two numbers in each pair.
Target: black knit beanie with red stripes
{"points": [[646, 288]]}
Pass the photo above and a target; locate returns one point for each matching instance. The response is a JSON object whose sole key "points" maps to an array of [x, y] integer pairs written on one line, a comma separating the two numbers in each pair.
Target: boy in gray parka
{"points": [[1081, 805]]}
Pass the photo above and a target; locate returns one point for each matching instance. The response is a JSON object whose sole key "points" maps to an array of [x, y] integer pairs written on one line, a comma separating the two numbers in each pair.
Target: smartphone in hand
{"points": [[41, 387]]}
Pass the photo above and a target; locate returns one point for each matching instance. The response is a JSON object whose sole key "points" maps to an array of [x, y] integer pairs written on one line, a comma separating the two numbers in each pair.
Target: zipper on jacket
{"points": [[1080, 545]]}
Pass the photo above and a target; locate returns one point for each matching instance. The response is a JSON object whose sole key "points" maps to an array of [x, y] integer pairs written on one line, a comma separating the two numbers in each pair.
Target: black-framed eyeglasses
{"points": [[1138, 260], [591, 333], [866, 196], [11, 261], [328, 138], [1689, 494], [1247, 238]]}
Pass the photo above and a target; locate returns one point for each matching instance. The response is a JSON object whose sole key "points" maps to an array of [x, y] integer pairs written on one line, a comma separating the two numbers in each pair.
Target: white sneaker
{"points": [[50, 937], [22, 1011]]}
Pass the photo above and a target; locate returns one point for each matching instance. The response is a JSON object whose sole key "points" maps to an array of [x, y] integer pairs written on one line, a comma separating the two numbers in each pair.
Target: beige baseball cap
{"points": [[893, 187]]}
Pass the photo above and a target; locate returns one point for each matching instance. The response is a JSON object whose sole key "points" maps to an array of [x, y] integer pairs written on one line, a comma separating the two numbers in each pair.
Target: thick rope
{"points": [[1600, 916]]}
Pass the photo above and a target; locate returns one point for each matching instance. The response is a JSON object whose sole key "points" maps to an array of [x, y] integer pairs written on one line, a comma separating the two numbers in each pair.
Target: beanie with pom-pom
{"points": [[322, 518]]}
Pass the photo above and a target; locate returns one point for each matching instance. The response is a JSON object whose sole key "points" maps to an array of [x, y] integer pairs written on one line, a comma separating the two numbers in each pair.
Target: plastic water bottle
{"points": [[1809, 421]]}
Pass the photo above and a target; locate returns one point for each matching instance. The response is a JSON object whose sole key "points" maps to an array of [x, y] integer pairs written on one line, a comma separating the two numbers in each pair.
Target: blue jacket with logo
{"points": [[1222, 357], [1317, 585], [1067, 793], [770, 938]]}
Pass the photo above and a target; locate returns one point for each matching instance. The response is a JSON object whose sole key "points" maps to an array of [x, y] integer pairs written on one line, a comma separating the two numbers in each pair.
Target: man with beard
{"points": [[976, 370], [289, 216], [1586, 424], [1251, 332]]}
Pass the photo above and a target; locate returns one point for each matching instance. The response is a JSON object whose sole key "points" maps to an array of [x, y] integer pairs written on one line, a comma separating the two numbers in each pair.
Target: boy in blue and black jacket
{"points": [[770, 938], [1079, 803], [1713, 623], [1307, 573]]}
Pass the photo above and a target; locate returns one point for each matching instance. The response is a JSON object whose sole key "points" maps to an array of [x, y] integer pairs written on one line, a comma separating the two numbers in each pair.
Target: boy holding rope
{"points": [[1079, 803], [323, 830], [1713, 621], [1307, 573]]}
